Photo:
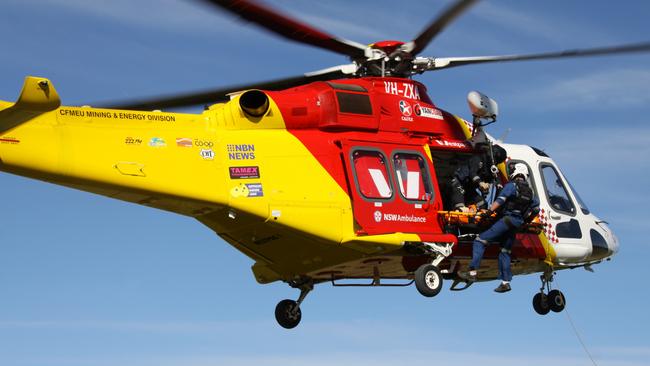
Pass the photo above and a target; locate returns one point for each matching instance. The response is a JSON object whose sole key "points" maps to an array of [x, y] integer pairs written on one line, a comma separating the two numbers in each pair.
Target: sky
{"points": [[87, 280]]}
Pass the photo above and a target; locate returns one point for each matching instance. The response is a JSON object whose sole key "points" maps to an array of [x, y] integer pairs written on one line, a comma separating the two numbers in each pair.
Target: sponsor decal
{"points": [[402, 218], [157, 142], [407, 110], [203, 143], [405, 90], [255, 190], [427, 112], [139, 116], [455, 144], [133, 141], [207, 154], [9, 140], [183, 142], [377, 216], [241, 151], [247, 190], [244, 172]]}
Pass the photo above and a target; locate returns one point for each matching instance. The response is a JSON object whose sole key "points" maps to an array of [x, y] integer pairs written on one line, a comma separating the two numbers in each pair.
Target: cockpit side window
{"points": [[556, 192]]}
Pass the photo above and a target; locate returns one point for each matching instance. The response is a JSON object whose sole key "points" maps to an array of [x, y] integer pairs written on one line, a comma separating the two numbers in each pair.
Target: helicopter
{"points": [[334, 175]]}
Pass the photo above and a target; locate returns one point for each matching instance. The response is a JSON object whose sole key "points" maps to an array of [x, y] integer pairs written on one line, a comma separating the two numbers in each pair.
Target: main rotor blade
{"points": [[289, 28], [436, 26], [215, 95], [446, 62]]}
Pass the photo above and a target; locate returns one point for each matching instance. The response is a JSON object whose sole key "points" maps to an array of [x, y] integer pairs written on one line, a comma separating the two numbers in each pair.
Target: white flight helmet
{"points": [[519, 169]]}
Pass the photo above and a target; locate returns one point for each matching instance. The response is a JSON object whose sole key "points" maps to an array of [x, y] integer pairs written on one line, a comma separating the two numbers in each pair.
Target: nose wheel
{"points": [[287, 312], [551, 300]]}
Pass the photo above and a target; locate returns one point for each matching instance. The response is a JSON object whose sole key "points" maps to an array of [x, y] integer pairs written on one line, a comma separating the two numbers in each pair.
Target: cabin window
{"points": [[354, 103], [556, 192], [412, 176], [372, 174]]}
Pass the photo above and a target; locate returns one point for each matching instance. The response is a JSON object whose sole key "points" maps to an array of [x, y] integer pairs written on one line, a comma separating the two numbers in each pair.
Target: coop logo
{"points": [[241, 151], [377, 216], [427, 112]]}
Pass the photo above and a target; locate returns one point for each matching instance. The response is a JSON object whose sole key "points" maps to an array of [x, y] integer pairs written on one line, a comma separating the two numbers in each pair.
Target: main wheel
{"points": [[556, 300], [428, 280], [288, 314], [540, 304]]}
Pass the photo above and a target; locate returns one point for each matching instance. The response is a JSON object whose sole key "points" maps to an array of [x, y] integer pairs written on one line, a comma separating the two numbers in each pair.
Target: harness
{"points": [[521, 202]]}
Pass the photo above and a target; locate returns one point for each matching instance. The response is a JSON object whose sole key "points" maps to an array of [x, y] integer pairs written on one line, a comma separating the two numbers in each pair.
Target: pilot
{"points": [[519, 205]]}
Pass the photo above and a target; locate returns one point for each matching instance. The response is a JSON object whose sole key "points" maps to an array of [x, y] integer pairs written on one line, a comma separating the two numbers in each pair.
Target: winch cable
{"points": [[577, 334]]}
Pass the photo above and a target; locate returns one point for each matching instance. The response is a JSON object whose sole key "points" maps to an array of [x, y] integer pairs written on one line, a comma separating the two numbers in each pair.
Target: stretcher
{"points": [[480, 219]]}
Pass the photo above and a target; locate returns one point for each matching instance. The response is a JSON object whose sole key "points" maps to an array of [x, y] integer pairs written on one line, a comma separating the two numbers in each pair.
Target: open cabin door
{"points": [[393, 188]]}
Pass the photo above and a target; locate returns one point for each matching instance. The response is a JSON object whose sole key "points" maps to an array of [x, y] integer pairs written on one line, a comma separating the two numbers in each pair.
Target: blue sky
{"points": [[86, 280]]}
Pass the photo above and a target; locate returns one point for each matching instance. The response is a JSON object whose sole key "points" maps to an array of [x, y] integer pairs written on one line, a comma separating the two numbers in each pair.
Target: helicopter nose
{"points": [[604, 243]]}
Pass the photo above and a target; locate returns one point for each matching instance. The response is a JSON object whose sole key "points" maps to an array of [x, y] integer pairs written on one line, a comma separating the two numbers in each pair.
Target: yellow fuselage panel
{"points": [[220, 161]]}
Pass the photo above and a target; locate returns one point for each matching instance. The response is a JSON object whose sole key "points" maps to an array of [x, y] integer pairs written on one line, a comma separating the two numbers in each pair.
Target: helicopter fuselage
{"points": [[330, 180]]}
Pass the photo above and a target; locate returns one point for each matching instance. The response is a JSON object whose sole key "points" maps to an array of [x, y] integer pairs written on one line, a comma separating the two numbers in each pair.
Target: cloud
{"points": [[362, 357], [532, 23], [163, 14], [622, 88]]}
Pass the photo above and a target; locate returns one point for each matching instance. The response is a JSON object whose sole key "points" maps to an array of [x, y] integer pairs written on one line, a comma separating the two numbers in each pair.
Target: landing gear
{"points": [[428, 278], [554, 300], [540, 303], [287, 312]]}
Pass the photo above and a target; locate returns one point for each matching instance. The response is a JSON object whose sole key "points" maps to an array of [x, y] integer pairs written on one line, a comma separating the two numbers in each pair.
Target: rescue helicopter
{"points": [[339, 175]]}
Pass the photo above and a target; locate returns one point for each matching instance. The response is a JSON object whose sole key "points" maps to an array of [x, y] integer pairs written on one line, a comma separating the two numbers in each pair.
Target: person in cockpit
{"points": [[518, 205], [466, 186]]}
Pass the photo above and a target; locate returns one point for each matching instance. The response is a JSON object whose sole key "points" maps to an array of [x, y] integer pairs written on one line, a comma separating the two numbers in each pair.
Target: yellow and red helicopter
{"points": [[335, 175]]}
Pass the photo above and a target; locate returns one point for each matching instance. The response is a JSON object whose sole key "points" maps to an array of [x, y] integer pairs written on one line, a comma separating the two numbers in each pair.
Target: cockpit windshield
{"points": [[581, 203]]}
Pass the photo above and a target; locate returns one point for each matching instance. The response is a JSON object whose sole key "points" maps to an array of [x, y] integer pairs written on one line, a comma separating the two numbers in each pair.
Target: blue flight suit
{"points": [[502, 231]]}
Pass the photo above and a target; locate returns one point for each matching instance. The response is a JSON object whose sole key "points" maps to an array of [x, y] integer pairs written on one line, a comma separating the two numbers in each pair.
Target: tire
{"points": [[540, 304], [556, 300], [288, 314], [428, 280]]}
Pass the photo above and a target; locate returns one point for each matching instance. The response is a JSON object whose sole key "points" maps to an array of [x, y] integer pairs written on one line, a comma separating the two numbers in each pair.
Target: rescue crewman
{"points": [[519, 205], [471, 180], [464, 184]]}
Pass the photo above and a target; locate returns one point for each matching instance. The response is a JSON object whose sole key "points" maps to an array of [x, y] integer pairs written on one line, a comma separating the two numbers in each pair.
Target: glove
{"points": [[486, 214]]}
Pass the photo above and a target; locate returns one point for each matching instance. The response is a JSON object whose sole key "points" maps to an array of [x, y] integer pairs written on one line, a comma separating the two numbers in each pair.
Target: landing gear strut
{"points": [[287, 312], [428, 278], [553, 300]]}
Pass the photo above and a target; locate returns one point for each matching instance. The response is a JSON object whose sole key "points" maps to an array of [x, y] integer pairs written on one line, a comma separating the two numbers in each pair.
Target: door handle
{"points": [[556, 217]]}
